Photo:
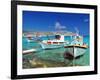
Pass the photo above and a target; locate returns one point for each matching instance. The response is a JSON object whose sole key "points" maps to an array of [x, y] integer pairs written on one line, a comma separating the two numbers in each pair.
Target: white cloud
{"points": [[59, 26], [86, 20]]}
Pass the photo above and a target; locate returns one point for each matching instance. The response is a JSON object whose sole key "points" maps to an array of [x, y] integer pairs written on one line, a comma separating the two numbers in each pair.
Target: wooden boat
{"points": [[31, 38], [76, 47], [75, 50], [58, 42]]}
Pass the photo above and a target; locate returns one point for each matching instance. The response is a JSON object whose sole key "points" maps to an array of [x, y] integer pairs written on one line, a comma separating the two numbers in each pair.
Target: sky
{"points": [[53, 21]]}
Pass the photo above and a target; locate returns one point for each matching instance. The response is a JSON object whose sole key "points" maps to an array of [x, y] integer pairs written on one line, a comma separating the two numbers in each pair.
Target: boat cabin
{"points": [[59, 39]]}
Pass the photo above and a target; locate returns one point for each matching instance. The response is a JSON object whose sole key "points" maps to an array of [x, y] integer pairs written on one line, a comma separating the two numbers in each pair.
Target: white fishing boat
{"points": [[58, 42], [76, 47], [29, 40], [75, 50], [35, 38], [29, 37]]}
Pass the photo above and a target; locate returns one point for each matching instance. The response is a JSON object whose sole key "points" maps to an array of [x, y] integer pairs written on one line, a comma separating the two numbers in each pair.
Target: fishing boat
{"points": [[75, 50], [58, 42], [29, 39], [35, 38], [76, 47]]}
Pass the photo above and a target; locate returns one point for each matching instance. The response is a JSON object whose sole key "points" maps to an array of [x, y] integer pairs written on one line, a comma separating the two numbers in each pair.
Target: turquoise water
{"points": [[53, 58]]}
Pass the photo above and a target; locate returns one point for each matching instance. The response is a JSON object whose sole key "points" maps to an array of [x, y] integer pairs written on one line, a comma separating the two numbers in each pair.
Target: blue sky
{"points": [[51, 21]]}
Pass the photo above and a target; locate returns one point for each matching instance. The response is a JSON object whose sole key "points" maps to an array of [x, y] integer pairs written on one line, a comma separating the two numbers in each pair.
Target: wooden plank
{"points": [[28, 51]]}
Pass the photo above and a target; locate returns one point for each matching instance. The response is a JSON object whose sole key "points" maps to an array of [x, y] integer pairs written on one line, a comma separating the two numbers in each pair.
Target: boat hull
{"points": [[75, 51], [50, 46]]}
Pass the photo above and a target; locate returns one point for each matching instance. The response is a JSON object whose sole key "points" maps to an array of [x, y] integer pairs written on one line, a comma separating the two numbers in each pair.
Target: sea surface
{"points": [[52, 58]]}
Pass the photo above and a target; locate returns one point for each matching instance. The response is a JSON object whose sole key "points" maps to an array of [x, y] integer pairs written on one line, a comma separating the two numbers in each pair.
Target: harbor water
{"points": [[53, 57]]}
